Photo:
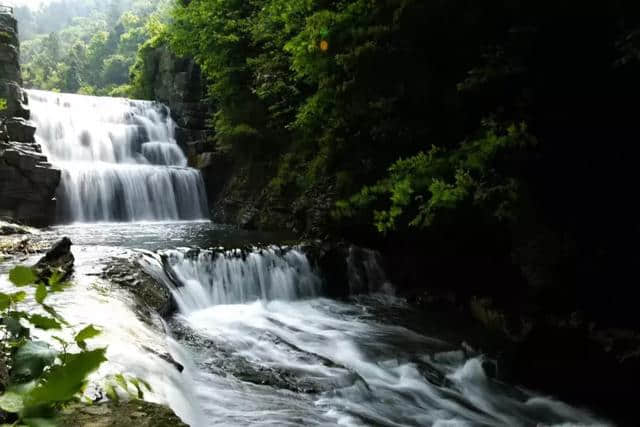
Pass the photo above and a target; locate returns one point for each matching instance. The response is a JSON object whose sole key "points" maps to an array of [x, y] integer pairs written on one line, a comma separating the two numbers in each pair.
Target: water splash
{"points": [[119, 159]]}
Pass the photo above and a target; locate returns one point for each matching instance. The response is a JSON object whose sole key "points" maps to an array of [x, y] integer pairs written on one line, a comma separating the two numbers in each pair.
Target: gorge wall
{"points": [[238, 189], [27, 181]]}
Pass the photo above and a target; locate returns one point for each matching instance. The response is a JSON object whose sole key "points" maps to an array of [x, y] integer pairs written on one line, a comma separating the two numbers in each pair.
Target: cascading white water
{"points": [[263, 348], [119, 158], [207, 278]]}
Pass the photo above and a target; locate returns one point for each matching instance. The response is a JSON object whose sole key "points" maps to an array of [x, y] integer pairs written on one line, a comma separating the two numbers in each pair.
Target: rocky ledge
{"points": [[121, 414], [27, 181]]}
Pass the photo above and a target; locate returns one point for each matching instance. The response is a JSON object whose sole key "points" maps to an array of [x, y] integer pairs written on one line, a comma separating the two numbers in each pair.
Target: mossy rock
{"points": [[123, 414]]}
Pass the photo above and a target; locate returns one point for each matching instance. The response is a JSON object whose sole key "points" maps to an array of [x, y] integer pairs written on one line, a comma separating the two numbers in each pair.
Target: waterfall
{"points": [[119, 159], [203, 278]]}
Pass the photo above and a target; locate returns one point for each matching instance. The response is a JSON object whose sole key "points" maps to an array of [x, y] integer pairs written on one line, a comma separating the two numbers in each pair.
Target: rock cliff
{"points": [[27, 181]]}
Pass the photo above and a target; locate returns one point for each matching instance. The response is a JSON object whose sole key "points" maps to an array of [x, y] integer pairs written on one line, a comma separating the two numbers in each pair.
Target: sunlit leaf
{"points": [[87, 333], [18, 297], [41, 293], [121, 381], [22, 276], [63, 382]]}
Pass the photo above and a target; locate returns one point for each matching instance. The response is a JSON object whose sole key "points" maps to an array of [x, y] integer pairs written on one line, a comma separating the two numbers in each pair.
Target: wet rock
{"points": [[217, 358], [7, 228], [166, 357], [151, 296], [121, 414], [21, 130], [59, 258]]}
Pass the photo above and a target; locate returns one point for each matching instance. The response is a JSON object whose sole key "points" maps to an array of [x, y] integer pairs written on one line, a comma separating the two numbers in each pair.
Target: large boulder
{"points": [[58, 259]]}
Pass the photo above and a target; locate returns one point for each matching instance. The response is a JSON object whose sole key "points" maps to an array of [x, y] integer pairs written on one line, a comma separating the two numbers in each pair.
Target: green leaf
{"points": [[22, 276], [41, 293], [121, 381], [18, 297], [63, 382], [85, 334], [5, 301], [56, 277], [54, 314], [11, 402], [31, 359], [59, 286], [145, 384], [136, 384], [43, 322], [111, 393]]}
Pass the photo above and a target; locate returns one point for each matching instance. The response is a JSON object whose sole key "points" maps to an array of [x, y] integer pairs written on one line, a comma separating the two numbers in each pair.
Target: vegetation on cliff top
{"points": [[82, 46]]}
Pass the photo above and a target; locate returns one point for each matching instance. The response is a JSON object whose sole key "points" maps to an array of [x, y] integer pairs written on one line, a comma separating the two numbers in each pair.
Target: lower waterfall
{"points": [[262, 346], [119, 159]]}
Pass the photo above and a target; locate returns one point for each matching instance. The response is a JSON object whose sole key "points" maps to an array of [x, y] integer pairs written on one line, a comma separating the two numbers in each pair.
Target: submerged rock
{"points": [[122, 414]]}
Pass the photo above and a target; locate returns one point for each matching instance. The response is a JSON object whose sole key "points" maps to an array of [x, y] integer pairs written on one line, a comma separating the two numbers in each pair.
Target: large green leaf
{"points": [[22, 276], [63, 382], [31, 359], [43, 322], [85, 334]]}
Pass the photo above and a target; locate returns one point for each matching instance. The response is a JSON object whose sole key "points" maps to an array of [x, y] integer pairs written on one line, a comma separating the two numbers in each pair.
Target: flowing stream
{"points": [[258, 341]]}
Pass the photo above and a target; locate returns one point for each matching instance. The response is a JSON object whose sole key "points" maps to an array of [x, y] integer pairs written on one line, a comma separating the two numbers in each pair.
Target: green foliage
{"points": [[31, 360], [42, 377], [3, 104], [426, 186], [22, 276], [91, 54], [133, 387]]}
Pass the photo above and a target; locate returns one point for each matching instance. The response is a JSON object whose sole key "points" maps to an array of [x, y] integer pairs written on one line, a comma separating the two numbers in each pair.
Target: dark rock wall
{"points": [[238, 189], [27, 181], [178, 83]]}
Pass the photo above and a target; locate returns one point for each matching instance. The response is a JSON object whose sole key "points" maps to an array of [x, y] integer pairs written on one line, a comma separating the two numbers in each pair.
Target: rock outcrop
{"points": [[58, 259], [179, 84], [119, 414], [27, 181]]}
